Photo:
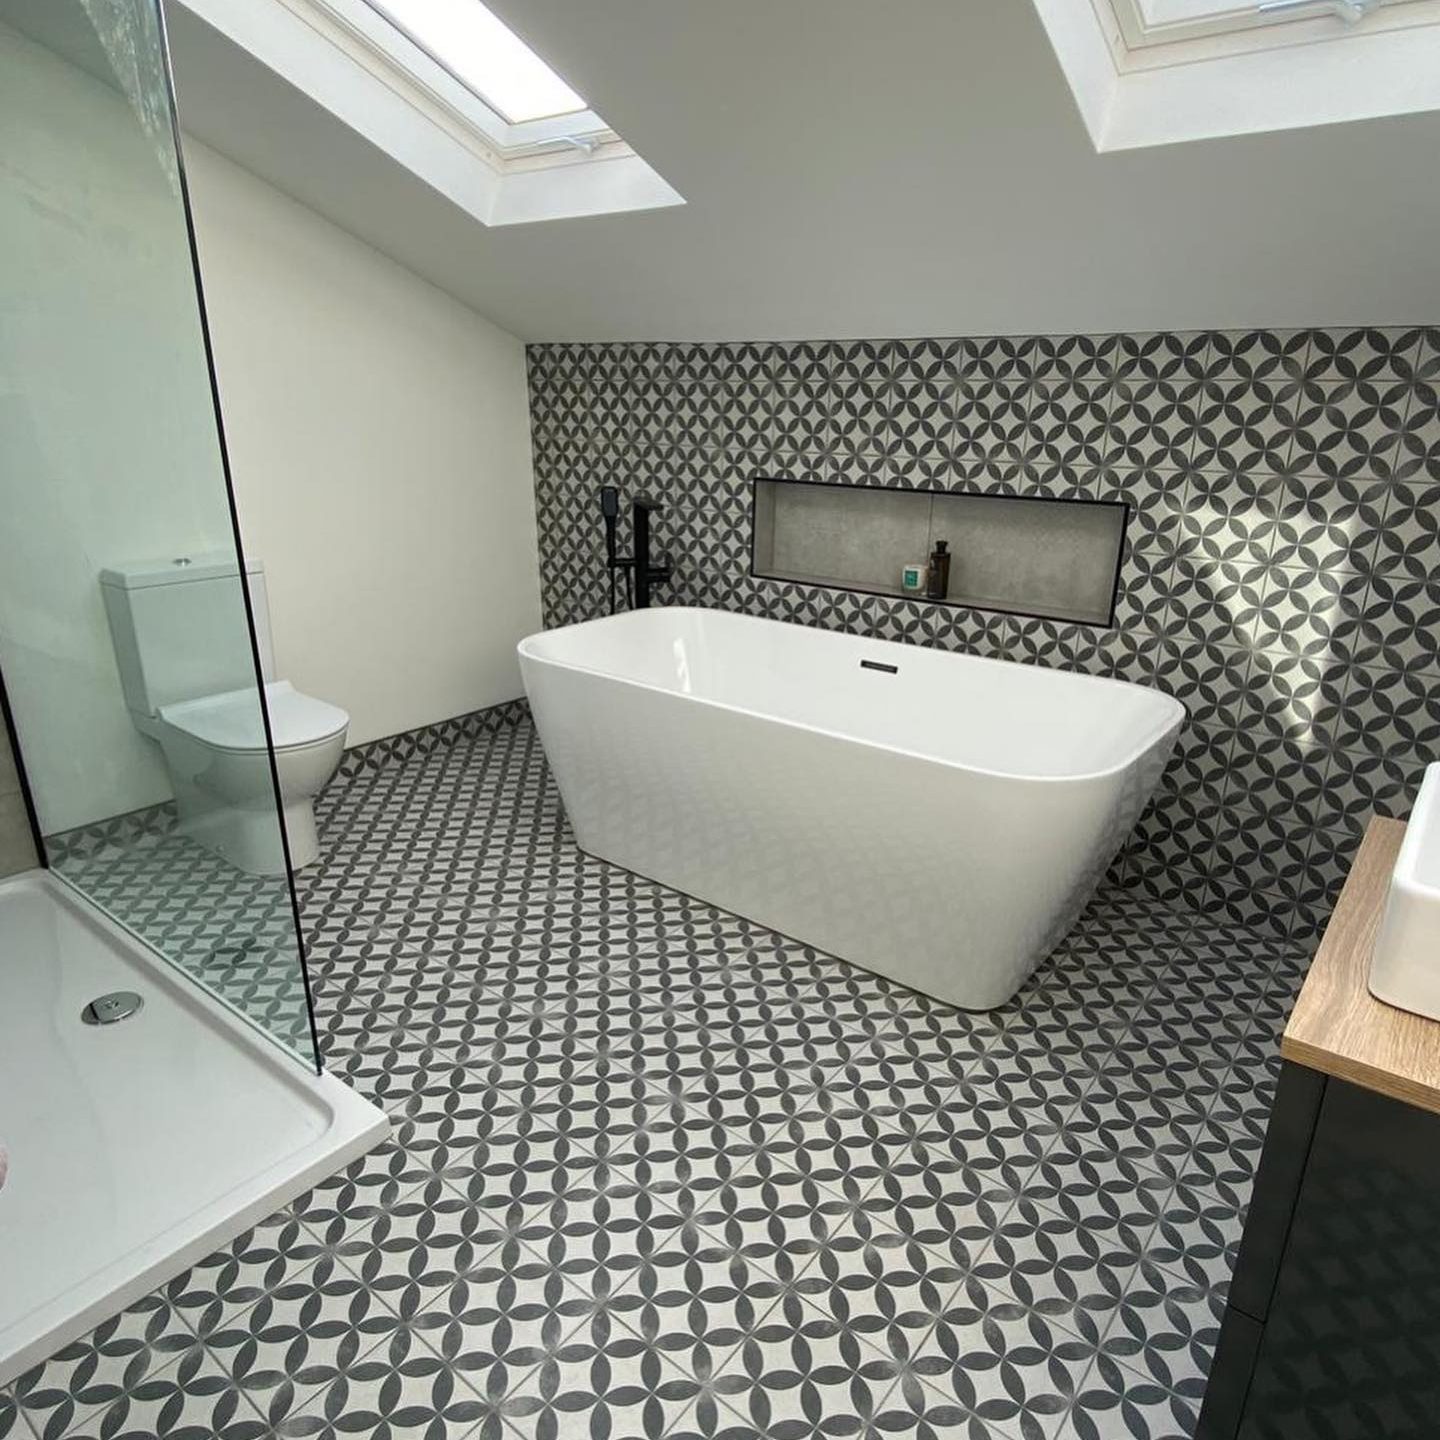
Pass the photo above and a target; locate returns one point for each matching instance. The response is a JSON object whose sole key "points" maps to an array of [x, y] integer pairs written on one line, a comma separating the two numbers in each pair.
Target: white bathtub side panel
{"points": [[951, 882]]}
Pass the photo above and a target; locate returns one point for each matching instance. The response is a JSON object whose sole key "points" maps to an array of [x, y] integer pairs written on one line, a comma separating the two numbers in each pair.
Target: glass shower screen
{"points": [[124, 617]]}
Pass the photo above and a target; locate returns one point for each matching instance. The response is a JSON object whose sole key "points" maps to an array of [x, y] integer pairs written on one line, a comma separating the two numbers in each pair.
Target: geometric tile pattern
{"points": [[85, 841], [233, 932], [657, 1171], [1282, 568], [393, 749]]}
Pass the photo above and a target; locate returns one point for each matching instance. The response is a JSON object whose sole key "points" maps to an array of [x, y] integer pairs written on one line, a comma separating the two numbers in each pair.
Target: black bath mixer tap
{"points": [[648, 572]]}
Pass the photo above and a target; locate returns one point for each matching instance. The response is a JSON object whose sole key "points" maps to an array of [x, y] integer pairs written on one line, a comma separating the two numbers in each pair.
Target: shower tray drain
{"points": [[107, 1009]]}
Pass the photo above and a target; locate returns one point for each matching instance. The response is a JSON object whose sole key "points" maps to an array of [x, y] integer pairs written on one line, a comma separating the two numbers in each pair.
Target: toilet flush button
{"points": [[107, 1009]]}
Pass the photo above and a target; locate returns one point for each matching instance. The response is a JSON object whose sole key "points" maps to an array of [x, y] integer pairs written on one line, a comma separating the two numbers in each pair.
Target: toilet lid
{"points": [[232, 721]]}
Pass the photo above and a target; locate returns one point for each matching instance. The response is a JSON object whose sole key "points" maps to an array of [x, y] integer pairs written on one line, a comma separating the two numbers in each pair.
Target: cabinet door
{"points": [[1351, 1347]]}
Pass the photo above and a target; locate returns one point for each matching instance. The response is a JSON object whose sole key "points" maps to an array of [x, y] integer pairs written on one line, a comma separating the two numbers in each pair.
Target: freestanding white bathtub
{"points": [[937, 818]]}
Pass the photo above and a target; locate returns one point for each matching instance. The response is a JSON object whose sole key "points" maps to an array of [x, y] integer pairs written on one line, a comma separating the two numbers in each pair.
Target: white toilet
{"points": [[184, 655]]}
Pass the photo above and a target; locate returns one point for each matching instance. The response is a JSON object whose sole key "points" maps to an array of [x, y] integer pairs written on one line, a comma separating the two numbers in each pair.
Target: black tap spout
{"points": [[648, 572]]}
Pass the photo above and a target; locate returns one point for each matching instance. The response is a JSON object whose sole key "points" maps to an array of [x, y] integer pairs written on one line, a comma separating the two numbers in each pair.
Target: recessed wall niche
{"points": [[1057, 559]]}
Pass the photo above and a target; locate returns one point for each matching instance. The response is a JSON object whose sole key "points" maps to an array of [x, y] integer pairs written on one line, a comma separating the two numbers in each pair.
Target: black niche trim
{"points": [[898, 594]]}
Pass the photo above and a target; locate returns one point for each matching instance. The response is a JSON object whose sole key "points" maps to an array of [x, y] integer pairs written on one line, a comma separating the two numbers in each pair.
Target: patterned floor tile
{"points": [[1198, 1238], [496, 1324], [995, 1358], [401, 1388], [193, 1399], [1071, 1271], [797, 1371], [305, 1332], [656, 1170], [228, 1281], [105, 1368], [602, 1379]]}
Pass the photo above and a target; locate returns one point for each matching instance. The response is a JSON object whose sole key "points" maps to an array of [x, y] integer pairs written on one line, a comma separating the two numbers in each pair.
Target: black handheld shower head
{"points": [[610, 509]]}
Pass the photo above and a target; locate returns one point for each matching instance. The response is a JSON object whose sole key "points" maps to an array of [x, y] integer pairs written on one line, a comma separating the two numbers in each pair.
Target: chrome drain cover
{"points": [[107, 1009]]}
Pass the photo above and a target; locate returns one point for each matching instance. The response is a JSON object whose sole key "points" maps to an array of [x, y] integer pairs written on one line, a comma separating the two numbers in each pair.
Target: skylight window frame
{"points": [[1142, 40], [390, 48], [1279, 77], [388, 11]]}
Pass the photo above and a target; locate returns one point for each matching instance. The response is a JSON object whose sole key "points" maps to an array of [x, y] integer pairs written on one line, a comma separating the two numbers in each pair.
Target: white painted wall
{"points": [[378, 430], [107, 436], [379, 442]]}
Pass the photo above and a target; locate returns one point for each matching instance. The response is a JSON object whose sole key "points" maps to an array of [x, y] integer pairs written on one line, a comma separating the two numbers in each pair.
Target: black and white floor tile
{"points": [[235, 933], [656, 1171]]}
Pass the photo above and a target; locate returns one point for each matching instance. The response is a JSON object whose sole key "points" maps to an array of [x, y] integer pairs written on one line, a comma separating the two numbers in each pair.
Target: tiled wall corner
{"points": [[396, 749], [117, 832], [1282, 573]]}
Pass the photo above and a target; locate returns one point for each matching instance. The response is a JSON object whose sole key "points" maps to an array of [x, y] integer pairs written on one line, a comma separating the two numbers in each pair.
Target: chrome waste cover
{"points": [[107, 1009]]}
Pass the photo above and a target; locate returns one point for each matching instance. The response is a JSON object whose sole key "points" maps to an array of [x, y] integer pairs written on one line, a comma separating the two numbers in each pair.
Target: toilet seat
{"points": [[231, 721]]}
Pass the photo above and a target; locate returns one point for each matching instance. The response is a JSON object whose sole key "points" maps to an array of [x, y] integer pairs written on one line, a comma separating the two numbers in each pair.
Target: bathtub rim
{"points": [[1174, 712]]}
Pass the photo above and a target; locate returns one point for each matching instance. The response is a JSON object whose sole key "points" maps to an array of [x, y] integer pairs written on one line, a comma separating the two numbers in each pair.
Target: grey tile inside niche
{"points": [[849, 535], [1031, 556]]}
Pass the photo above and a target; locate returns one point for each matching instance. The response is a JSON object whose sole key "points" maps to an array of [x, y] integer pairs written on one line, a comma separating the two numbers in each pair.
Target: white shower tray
{"points": [[135, 1148]]}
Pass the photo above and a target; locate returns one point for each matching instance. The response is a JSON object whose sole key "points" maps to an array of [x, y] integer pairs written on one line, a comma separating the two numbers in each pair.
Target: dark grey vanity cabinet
{"points": [[1333, 1325], [1332, 1330]]}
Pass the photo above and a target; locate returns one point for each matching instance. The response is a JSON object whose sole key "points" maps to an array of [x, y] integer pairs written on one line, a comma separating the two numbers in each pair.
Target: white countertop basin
{"points": [[1405, 970]]}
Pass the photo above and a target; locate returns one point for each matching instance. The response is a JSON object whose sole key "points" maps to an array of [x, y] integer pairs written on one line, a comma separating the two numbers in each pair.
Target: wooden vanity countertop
{"points": [[1338, 1027]]}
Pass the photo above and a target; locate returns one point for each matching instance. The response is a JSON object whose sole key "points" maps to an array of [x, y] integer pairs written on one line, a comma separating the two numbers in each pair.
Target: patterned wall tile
{"points": [[1270, 355], [1353, 355], [1351, 429], [1281, 574], [1243, 425]]}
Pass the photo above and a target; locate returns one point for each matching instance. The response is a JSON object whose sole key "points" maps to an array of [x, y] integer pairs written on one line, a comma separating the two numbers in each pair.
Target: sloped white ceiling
{"points": [[851, 169]]}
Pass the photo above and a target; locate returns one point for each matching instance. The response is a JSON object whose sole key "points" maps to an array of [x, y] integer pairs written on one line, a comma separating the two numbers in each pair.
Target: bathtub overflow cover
{"points": [[107, 1009]]}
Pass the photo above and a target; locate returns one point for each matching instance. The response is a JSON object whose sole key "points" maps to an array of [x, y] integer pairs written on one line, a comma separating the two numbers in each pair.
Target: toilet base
{"points": [[250, 839], [226, 799], [300, 832]]}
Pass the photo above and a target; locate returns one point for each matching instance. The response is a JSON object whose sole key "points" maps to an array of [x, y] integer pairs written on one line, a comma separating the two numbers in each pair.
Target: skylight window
{"points": [[450, 93], [1160, 72], [485, 56], [1161, 22]]}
